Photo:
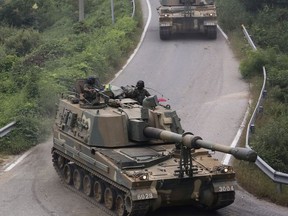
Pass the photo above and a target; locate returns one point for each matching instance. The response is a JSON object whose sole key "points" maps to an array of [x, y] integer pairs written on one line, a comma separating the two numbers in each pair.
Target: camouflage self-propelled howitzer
{"points": [[134, 159], [187, 16]]}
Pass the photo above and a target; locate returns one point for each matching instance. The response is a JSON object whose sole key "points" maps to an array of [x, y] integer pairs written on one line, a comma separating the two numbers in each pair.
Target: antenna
{"points": [[157, 92]]}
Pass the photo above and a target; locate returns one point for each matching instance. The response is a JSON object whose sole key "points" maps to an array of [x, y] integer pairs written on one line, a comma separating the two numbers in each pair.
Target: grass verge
{"points": [[248, 175]]}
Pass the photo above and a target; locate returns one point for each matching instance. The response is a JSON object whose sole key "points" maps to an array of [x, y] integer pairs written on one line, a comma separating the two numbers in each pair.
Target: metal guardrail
{"points": [[6, 129], [278, 177], [249, 38]]}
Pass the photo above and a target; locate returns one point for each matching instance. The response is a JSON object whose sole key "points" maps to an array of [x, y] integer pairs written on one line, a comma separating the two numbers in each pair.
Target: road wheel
{"points": [[98, 191], [88, 185], [120, 205], [109, 198], [67, 173], [78, 178], [60, 162], [128, 203]]}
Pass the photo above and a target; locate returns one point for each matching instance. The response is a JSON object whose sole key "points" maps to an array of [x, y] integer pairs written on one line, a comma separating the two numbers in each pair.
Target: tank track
{"points": [[165, 33], [138, 208], [212, 32]]}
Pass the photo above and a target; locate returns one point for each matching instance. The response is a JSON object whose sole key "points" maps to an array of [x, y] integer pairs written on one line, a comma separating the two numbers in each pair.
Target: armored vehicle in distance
{"points": [[132, 159], [187, 16]]}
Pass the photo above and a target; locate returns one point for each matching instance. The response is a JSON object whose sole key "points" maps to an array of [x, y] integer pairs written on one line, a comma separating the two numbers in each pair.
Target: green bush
{"points": [[14, 143], [231, 14], [7, 86], [270, 142], [92, 61], [278, 77], [252, 5], [6, 32], [49, 50], [253, 63], [31, 88], [80, 27], [10, 103], [36, 14], [127, 25], [27, 133], [112, 46], [256, 5], [5, 110], [7, 62], [280, 94], [17, 13], [23, 42], [270, 28]]}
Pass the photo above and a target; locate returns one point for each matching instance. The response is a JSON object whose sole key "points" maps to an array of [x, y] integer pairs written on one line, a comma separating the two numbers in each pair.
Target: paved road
{"points": [[201, 80], [32, 188], [199, 76]]}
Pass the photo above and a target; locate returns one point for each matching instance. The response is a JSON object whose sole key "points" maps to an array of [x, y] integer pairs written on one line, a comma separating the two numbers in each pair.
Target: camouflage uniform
{"points": [[140, 93], [90, 90]]}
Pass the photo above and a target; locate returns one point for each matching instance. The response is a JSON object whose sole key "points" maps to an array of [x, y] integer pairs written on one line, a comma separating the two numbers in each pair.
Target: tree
{"points": [[30, 13]]}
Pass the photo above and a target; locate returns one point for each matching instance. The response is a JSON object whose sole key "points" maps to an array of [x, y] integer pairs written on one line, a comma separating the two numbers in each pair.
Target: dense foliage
{"points": [[44, 48], [254, 5], [267, 23]]}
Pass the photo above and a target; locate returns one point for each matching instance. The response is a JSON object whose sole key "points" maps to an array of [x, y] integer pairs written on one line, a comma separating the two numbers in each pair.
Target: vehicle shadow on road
{"points": [[184, 211], [189, 36]]}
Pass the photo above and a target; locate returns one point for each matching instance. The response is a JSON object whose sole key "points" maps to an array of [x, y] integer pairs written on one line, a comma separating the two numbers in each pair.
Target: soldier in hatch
{"points": [[140, 92], [91, 86]]}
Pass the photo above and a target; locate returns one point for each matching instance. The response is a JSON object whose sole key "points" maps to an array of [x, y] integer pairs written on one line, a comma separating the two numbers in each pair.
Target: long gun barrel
{"points": [[191, 141]]}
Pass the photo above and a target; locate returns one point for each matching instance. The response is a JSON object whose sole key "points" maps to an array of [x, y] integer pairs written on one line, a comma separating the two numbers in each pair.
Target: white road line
{"points": [[227, 157], [140, 42], [12, 165]]}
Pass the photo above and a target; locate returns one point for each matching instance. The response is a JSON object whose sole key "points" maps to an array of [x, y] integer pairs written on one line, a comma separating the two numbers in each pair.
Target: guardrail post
{"points": [[260, 109], [279, 188], [264, 93], [252, 128]]}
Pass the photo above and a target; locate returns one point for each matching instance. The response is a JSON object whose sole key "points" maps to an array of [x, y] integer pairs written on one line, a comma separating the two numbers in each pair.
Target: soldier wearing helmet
{"points": [[140, 92], [91, 86]]}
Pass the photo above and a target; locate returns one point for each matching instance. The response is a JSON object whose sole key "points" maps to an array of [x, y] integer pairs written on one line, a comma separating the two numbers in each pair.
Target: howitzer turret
{"points": [[133, 159], [187, 16]]}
